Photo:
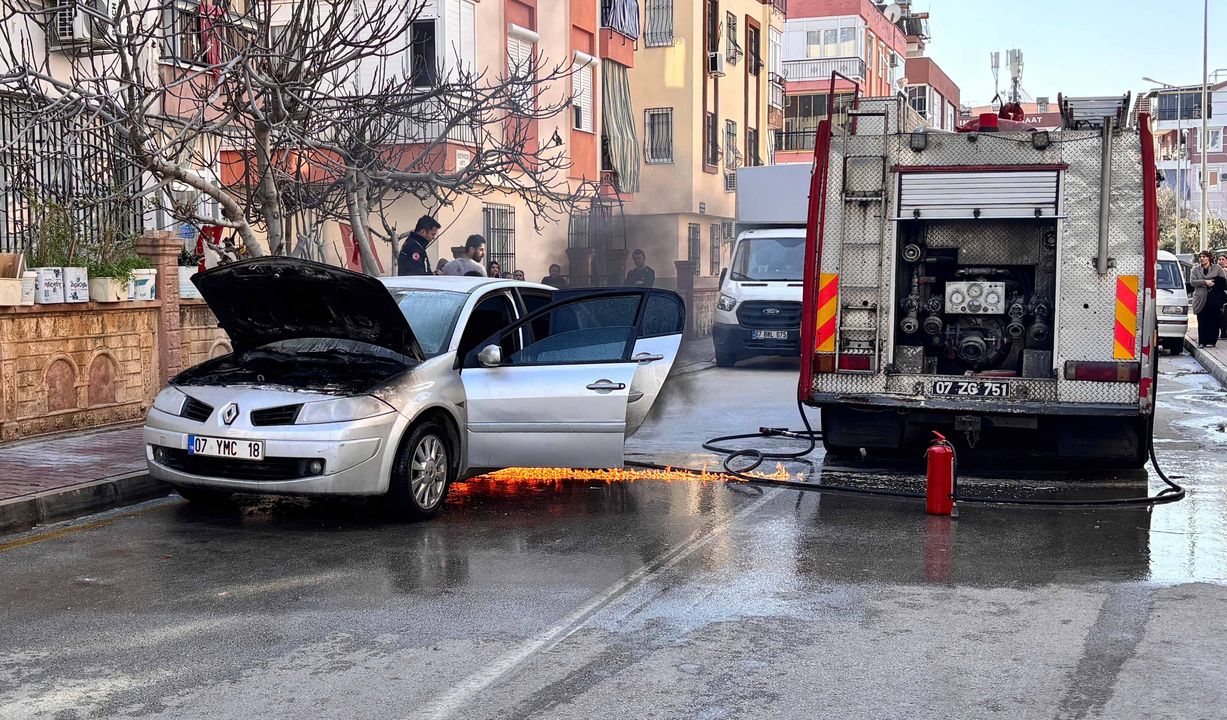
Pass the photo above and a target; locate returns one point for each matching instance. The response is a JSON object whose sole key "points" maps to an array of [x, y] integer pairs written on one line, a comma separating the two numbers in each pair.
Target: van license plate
{"points": [[219, 447], [964, 388], [768, 334]]}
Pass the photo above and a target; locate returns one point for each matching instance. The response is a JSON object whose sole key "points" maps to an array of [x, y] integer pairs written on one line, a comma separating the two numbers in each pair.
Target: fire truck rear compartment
{"points": [[975, 297]]}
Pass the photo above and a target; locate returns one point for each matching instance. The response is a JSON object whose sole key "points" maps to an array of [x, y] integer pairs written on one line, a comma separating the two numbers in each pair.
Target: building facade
{"points": [[853, 38], [706, 90], [1176, 116]]}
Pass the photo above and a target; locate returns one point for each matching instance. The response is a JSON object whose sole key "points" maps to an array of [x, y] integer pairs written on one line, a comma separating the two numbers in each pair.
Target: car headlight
{"points": [[169, 401], [342, 410], [726, 302], [1174, 309]]}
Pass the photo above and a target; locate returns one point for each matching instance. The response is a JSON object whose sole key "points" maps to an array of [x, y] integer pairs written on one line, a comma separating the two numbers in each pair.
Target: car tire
{"points": [[423, 473], [204, 497], [725, 359]]}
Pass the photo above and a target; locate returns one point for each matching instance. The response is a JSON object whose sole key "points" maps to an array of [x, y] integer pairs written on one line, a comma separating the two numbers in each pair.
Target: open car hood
{"points": [[270, 299]]}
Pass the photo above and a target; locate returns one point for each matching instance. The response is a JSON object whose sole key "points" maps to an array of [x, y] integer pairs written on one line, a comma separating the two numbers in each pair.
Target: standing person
{"points": [[641, 275], [517, 275], [494, 269], [1209, 284], [1222, 263], [469, 264], [439, 266], [412, 259], [555, 278]]}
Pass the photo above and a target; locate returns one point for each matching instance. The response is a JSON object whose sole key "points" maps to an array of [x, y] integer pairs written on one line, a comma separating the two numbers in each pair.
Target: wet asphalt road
{"points": [[638, 600]]}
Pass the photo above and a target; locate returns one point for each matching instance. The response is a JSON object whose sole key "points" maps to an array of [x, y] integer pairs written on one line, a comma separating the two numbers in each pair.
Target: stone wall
{"points": [[199, 335], [70, 367]]}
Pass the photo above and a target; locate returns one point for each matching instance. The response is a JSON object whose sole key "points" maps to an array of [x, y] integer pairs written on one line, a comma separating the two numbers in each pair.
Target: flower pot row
{"points": [[51, 285]]}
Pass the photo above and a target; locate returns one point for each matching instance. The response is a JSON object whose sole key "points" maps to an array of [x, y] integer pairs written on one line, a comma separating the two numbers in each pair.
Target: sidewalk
{"points": [[61, 477], [1214, 359]]}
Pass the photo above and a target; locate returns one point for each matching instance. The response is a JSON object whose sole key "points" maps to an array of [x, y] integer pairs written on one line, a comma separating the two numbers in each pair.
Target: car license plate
{"points": [[219, 447], [968, 388], [768, 334]]}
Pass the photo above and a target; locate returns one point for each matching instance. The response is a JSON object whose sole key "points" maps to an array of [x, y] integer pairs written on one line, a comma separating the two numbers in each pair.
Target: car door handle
{"points": [[606, 386], [644, 358]]}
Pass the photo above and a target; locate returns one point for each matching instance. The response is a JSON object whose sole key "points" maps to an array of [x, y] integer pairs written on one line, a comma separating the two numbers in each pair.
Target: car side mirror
{"points": [[490, 356], [724, 272]]}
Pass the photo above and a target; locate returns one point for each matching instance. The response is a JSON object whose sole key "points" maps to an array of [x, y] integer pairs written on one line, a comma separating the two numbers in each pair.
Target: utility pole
{"points": [[1205, 113]]}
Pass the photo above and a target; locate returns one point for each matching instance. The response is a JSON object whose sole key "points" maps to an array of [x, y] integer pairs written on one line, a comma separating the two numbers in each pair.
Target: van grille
{"points": [[763, 315]]}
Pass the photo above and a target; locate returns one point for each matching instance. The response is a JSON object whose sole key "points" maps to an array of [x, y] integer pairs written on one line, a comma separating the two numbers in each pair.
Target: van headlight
{"points": [[726, 302], [1174, 309], [169, 401], [358, 407]]}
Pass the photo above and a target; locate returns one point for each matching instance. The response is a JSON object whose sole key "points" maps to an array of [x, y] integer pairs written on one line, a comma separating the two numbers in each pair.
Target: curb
{"points": [[51, 506], [1208, 361]]}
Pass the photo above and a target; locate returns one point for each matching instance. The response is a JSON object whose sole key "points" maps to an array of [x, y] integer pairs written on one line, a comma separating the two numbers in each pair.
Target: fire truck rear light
{"points": [[860, 363], [1126, 372], [824, 363]]}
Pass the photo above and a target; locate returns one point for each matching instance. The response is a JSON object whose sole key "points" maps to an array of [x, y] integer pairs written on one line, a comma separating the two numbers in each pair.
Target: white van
{"points": [[759, 310], [1172, 301]]}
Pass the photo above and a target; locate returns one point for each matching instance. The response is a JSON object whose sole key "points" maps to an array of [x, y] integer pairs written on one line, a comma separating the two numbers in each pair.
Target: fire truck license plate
{"points": [[971, 388]]}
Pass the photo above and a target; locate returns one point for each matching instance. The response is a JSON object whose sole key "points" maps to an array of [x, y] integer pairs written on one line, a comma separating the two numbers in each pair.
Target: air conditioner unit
{"points": [[894, 60], [715, 64], [77, 25], [730, 181]]}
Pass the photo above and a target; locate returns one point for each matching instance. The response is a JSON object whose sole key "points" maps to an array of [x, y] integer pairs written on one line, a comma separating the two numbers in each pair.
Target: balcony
{"points": [[775, 92], [821, 68], [795, 140], [621, 16], [781, 6]]}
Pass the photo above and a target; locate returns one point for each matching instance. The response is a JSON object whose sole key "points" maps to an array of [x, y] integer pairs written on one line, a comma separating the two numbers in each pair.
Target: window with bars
{"points": [[711, 140], [658, 17], [577, 230], [499, 223], [658, 135], [581, 101], [693, 250], [717, 235], [754, 50], [730, 145]]}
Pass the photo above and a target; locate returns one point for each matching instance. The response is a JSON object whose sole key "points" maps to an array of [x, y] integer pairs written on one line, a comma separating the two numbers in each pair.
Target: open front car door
{"points": [[564, 385]]}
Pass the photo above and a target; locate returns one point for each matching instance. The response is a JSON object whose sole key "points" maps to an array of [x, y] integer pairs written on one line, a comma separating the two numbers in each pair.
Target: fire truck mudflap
{"points": [[977, 283]]}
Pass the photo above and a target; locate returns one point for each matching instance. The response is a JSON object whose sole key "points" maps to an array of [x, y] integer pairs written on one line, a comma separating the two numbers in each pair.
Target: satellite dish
{"points": [[893, 13]]}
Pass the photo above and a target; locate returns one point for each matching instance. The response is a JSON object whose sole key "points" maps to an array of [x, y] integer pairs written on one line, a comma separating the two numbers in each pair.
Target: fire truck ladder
{"points": [[866, 143]]}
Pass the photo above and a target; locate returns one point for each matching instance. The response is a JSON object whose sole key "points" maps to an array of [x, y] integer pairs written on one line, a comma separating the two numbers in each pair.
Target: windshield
{"points": [[769, 259], [1168, 275], [432, 315]]}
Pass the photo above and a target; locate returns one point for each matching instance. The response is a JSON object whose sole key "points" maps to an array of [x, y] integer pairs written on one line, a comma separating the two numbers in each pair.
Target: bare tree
{"points": [[297, 112]]}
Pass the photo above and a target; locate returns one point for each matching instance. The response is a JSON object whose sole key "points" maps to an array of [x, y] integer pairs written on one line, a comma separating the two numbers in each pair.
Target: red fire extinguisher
{"points": [[939, 490]]}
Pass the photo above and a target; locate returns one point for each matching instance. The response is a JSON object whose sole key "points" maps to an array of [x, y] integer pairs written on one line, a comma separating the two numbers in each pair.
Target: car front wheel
{"points": [[422, 474]]}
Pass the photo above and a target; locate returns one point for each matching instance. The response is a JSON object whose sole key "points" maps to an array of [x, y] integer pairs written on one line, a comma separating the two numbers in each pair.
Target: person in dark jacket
{"points": [[641, 275], [1208, 281], [412, 259], [555, 278]]}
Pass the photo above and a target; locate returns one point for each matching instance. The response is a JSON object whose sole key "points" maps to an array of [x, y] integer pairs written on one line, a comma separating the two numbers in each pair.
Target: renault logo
{"points": [[771, 311], [230, 413]]}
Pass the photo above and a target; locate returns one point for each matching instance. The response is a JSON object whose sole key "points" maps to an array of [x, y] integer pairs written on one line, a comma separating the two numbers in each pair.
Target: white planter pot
{"points": [[107, 290], [76, 285], [187, 290], [144, 281], [29, 284], [48, 285]]}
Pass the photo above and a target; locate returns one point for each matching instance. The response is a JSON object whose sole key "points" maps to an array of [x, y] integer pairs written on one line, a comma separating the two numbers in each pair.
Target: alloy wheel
{"points": [[428, 471]]}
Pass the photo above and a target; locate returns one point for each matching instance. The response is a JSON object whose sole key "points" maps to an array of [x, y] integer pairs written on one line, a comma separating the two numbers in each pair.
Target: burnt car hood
{"points": [[271, 299]]}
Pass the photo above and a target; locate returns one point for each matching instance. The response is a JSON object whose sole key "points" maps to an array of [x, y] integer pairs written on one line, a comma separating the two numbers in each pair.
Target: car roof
{"points": [[455, 283], [1165, 255]]}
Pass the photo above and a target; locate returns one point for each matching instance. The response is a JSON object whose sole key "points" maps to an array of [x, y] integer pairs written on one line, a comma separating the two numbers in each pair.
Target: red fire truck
{"points": [[996, 284]]}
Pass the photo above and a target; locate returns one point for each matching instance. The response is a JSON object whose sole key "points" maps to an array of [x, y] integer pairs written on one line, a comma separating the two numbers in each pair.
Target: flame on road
{"points": [[624, 475]]}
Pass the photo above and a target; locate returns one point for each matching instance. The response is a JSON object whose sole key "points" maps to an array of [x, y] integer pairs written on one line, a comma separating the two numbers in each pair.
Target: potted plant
{"points": [[189, 264], [112, 265], [53, 243]]}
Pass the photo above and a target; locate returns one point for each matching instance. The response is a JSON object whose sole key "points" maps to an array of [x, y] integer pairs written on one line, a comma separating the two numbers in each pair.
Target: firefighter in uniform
{"points": [[412, 259]]}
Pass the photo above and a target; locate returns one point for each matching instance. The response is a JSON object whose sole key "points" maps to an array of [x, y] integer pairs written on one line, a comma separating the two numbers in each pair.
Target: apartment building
{"points": [[853, 38], [1176, 114], [707, 88], [930, 91]]}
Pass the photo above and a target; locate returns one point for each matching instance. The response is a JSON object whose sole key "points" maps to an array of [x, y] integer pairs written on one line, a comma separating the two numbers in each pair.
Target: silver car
{"points": [[345, 384]]}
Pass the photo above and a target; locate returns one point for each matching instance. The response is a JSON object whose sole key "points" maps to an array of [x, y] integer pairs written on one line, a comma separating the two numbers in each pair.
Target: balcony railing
{"points": [[821, 69], [795, 140], [781, 5], [430, 122], [621, 16], [775, 94]]}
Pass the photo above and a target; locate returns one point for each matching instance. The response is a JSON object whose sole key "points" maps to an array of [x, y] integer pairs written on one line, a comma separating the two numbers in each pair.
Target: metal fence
{"points": [[72, 164]]}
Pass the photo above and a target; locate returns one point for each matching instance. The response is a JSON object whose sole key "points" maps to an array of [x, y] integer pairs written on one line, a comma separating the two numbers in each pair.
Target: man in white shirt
{"points": [[469, 263]]}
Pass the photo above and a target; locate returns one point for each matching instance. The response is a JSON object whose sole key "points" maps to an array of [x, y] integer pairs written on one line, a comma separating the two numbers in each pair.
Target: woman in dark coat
{"points": [[1209, 293]]}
